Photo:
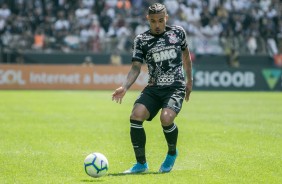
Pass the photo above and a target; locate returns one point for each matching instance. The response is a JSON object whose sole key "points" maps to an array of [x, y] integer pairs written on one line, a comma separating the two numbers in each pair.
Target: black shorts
{"points": [[155, 98]]}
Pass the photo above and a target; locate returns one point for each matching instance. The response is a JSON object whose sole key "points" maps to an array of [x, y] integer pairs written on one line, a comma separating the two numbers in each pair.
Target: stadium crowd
{"points": [[212, 26]]}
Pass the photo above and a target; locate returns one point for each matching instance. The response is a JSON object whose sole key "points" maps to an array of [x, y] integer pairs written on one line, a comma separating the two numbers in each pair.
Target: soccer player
{"points": [[165, 51]]}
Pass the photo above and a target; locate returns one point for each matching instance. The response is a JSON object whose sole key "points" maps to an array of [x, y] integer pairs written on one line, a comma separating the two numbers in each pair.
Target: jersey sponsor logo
{"points": [[146, 37], [158, 49], [165, 80], [164, 55]]}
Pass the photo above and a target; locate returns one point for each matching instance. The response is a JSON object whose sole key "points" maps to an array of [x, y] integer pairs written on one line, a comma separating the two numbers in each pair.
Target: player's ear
{"points": [[166, 17], [147, 17]]}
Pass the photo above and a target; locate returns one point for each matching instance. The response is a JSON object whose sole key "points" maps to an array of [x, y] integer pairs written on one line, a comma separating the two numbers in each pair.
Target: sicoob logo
{"points": [[271, 76]]}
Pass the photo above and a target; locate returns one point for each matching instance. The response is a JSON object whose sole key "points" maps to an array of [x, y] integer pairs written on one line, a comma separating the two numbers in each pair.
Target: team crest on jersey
{"points": [[172, 38]]}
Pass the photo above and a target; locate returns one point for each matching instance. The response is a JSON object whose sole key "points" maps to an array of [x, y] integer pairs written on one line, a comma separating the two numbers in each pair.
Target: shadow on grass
{"points": [[122, 174], [93, 180], [117, 174]]}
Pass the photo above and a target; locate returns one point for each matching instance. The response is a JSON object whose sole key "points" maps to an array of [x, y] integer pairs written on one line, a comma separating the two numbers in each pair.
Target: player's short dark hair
{"points": [[156, 8]]}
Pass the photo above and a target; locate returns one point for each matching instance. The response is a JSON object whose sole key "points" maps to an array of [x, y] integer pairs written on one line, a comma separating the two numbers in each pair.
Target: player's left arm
{"points": [[187, 65]]}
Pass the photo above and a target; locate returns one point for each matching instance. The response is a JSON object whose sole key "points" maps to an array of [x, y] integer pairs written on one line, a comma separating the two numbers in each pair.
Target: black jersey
{"points": [[163, 55]]}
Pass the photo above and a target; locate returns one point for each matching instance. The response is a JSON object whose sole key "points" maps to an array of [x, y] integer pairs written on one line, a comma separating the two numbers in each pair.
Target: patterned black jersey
{"points": [[163, 55]]}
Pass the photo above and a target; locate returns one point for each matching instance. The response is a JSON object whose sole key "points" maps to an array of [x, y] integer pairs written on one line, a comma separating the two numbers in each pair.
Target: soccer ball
{"points": [[96, 165]]}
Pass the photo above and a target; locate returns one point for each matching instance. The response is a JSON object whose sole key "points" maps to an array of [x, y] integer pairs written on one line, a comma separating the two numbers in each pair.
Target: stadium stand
{"points": [[229, 27]]}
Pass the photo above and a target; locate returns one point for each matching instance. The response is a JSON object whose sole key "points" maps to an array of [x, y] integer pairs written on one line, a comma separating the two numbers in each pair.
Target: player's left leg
{"points": [[170, 131], [172, 105]]}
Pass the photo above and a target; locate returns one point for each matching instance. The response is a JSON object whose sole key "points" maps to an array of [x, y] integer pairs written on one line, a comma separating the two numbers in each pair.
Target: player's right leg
{"points": [[138, 138], [146, 108]]}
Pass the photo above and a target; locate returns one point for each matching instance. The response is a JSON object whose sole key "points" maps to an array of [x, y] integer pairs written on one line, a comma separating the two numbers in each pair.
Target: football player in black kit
{"points": [[165, 51]]}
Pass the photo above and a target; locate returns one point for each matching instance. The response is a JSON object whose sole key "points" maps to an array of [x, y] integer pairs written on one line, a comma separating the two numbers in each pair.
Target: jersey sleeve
{"points": [[183, 37], [137, 53]]}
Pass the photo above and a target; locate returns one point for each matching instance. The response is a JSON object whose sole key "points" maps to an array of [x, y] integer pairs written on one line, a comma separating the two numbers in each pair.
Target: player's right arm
{"points": [[131, 78]]}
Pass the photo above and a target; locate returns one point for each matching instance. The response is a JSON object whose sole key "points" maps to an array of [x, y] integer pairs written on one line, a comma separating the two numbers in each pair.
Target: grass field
{"points": [[224, 137]]}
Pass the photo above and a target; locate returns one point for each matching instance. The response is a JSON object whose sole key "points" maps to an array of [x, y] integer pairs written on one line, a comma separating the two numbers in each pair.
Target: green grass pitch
{"points": [[224, 137]]}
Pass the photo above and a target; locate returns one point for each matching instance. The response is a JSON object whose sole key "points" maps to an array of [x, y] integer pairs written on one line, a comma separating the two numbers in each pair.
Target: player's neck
{"points": [[158, 35]]}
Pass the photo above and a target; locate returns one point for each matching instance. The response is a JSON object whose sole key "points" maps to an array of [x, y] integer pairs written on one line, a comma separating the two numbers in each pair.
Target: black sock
{"points": [[138, 140], [171, 133]]}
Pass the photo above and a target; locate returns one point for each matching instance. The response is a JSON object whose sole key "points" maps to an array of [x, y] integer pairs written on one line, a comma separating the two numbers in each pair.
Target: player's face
{"points": [[157, 22]]}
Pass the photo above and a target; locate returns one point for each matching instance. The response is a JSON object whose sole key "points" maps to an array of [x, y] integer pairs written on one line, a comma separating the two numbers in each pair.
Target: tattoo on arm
{"points": [[132, 74]]}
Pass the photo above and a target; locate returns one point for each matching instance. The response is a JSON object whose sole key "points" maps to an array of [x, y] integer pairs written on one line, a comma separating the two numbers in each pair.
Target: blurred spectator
{"points": [[104, 25], [115, 58], [5, 12], [230, 45], [272, 46], [278, 60], [206, 16], [62, 23], [212, 5], [88, 61], [83, 15], [264, 4], [105, 21], [222, 15], [123, 7], [98, 36], [192, 13], [88, 3], [111, 3], [72, 41], [20, 59], [252, 44], [233, 58], [279, 32], [85, 34], [173, 7], [39, 39], [123, 34], [61, 30], [2, 25], [212, 30], [210, 42], [142, 27], [99, 7], [195, 3]]}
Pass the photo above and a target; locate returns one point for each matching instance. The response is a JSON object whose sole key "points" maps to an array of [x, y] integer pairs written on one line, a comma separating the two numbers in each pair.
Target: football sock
{"points": [[171, 133], [138, 140]]}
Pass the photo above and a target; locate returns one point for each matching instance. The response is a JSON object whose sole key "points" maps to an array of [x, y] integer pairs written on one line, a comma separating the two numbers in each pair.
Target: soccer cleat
{"points": [[168, 163], [137, 168]]}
